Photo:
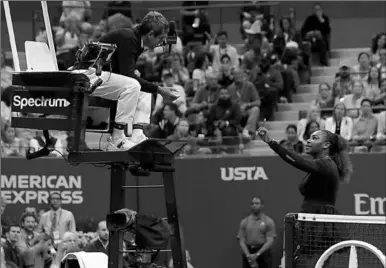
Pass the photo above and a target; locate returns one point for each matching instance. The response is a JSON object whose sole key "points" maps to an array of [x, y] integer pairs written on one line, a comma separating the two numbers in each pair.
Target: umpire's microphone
{"points": [[172, 34]]}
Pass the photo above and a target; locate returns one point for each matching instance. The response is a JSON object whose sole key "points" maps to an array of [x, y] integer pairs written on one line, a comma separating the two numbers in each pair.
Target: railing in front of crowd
{"points": [[216, 17]]}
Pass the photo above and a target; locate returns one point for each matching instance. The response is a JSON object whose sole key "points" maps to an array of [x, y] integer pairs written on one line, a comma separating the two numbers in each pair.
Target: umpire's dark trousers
{"points": [[264, 260]]}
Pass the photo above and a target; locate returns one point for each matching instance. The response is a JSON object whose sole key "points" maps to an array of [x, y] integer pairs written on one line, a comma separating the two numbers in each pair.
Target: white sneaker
{"points": [[123, 144], [139, 139]]}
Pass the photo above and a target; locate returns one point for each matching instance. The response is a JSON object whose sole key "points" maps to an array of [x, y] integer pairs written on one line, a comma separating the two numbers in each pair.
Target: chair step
{"points": [[304, 97], [324, 71], [347, 52], [293, 106], [279, 125], [322, 79], [287, 115], [351, 61], [311, 88]]}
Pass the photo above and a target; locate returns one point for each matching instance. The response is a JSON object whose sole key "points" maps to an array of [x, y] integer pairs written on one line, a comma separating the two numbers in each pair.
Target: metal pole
{"points": [[11, 34], [50, 38]]}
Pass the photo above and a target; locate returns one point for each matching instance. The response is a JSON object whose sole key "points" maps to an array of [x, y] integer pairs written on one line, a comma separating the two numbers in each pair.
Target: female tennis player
{"points": [[329, 165]]}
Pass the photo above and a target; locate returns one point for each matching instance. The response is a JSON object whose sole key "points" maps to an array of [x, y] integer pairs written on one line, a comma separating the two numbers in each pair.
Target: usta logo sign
{"points": [[243, 173], [21, 102]]}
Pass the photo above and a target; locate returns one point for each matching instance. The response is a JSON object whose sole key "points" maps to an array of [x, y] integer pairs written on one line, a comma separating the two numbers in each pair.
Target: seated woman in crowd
{"points": [[10, 144], [361, 70], [225, 77], [313, 115], [169, 122], [339, 123], [311, 127], [379, 42], [179, 71], [292, 142], [201, 65], [372, 90], [365, 126], [181, 133], [353, 101], [286, 32], [381, 99], [324, 99], [382, 63]]}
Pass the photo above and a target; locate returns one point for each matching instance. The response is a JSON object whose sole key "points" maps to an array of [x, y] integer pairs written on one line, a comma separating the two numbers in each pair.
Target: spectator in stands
{"points": [[365, 126], [67, 35], [168, 124], [317, 30], [289, 68], [353, 101], [39, 141], [324, 98], [168, 80], [292, 142], [381, 99], [181, 133], [57, 221], [224, 118], [310, 128], [285, 33], [101, 243], [225, 73], [179, 71], [42, 253], [221, 50], [339, 123], [194, 22], [69, 244], [28, 234], [382, 63], [379, 42], [201, 65], [342, 84], [10, 144], [6, 73], [252, 57], [268, 82], [118, 7], [245, 94], [81, 10], [372, 90], [312, 115], [381, 130], [206, 96], [12, 254], [361, 70]]}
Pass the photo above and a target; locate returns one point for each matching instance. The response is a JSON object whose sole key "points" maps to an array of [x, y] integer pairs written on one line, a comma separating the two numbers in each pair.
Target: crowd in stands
{"points": [[40, 239], [227, 91]]}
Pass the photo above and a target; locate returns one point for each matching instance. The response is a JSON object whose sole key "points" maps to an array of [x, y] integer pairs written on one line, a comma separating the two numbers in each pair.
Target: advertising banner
{"points": [[213, 194]]}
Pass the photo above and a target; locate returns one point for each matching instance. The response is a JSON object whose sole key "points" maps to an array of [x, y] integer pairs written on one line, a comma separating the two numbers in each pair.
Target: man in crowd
{"points": [[256, 235], [223, 48], [269, 83], [342, 84], [12, 252], [224, 118], [101, 243], [28, 223], [245, 94], [57, 221], [207, 96]]}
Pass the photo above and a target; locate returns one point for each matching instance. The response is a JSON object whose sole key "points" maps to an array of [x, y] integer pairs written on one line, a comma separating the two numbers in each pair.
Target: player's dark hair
{"points": [[339, 154]]}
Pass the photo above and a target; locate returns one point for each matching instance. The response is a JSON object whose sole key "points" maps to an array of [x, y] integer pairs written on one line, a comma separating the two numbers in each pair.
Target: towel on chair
{"points": [[86, 259]]}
